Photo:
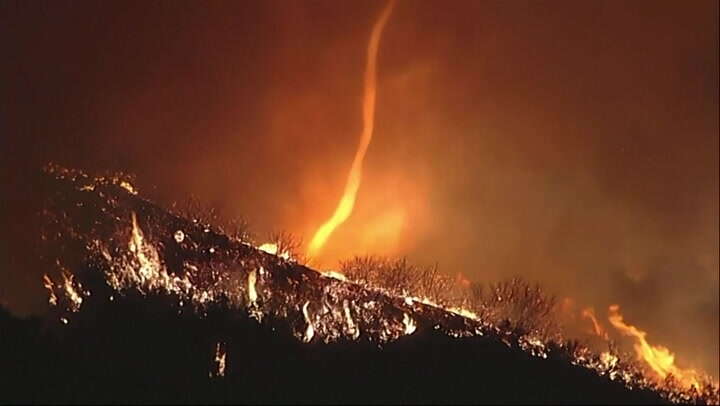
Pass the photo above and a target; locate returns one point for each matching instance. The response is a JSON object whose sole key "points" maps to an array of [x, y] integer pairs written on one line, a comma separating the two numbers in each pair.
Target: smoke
{"points": [[347, 201], [574, 144]]}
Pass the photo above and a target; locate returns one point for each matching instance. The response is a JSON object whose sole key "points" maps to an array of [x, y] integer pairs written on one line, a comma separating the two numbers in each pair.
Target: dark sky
{"points": [[574, 143]]}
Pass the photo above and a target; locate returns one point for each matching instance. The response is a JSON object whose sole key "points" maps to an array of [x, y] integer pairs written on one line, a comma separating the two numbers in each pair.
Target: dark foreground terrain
{"points": [[154, 307], [136, 352]]}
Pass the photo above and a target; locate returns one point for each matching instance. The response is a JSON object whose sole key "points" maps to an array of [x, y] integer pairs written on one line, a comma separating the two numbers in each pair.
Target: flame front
{"points": [[325, 308], [599, 331], [347, 201], [659, 358]]}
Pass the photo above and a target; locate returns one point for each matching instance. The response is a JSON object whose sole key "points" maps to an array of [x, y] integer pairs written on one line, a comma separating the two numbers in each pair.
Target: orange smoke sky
{"points": [[570, 143], [347, 201]]}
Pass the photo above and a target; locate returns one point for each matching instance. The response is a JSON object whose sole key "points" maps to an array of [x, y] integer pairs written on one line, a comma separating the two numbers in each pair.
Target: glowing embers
{"points": [[146, 255], [608, 361], [143, 270], [74, 291], [464, 312], [86, 183], [331, 308], [252, 293], [409, 323], [127, 186], [219, 361], [533, 345], [69, 290], [344, 311], [48, 284], [179, 236], [309, 331]]}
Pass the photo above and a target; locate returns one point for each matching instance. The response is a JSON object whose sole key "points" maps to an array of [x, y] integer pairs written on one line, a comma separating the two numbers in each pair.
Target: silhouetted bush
{"points": [[514, 304], [523, 307], [288, 243], [400, 277], [203, 214]]}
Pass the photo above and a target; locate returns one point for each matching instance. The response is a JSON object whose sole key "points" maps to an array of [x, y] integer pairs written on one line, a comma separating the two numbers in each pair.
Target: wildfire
{"points": [[310, 331], [252, 293], [219, 360], [272, 248], [598, 329], [148, 266], [71, 290], [608, 360], [128, 186], [409, 323], [659, 358], [48, 284], [329, 306], [347, 201]]}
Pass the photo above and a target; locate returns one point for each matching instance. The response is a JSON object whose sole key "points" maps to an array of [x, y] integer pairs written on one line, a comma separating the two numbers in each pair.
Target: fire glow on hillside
{"points": [[131, 239], [502, 145], [658, 358]]}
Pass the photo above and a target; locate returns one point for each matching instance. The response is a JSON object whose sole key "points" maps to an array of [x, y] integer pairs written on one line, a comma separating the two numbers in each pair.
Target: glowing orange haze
{"points": [[347, 201], [379, 232]]}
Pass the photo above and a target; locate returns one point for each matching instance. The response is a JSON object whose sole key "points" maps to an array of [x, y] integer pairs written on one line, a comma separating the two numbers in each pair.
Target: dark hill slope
{"points": [[140, 352], [152, 307]]}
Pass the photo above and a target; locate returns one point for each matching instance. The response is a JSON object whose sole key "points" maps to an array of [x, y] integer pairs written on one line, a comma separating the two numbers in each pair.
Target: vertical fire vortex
{"points": [[659, 358], [347, 202]]}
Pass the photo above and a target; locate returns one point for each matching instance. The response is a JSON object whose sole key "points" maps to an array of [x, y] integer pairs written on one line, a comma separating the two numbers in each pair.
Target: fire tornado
{"points": [[347, 201], [659, 358]]}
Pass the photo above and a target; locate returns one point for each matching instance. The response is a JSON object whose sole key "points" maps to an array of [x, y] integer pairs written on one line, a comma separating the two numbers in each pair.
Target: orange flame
{"points": [[598, 329], [659, 358], [347, 201], [50, 286]]}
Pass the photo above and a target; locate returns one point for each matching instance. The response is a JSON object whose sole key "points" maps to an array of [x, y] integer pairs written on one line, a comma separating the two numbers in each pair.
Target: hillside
{"points": [[149, 306]]}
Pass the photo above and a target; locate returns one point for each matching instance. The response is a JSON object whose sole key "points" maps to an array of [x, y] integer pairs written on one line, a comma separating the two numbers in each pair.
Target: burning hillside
{"points": [[136, 281], [551, 170]]}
